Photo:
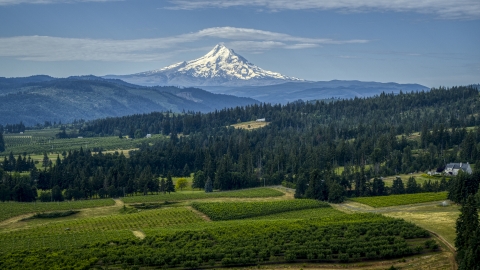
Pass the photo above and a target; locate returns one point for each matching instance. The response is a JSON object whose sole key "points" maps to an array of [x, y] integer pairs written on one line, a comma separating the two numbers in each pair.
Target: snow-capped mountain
{"points": [[219, 67]]}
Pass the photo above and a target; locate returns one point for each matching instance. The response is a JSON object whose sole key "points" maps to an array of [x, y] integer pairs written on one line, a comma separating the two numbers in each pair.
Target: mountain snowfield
{"points": [[219, 67]]}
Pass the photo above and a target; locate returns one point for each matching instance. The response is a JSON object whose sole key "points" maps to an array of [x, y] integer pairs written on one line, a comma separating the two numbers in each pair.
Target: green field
{"points": [[41, 141], [260, 228], [194, 195], [403, 199], [176, 237], [240, 210], [12, 209], [35, 234]]}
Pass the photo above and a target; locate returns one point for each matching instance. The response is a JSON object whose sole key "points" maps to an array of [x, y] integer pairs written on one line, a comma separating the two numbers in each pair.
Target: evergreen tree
{"points": [[169, 187], [208, 185], [468, 239], [335, 193], [186, 170], [397, 186], [301, 186], [412, 186], [378, 187], [2, 143], [57, 195], [163, 185], [198, 180]]}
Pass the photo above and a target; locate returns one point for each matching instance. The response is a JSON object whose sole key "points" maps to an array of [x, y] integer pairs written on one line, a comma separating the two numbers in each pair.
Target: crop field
{"points": [[12, 209], [194, 195], [314, 213], [368, 236], [403, 199], [240, 210], [237, 233], [34, 237], [32, 144]]}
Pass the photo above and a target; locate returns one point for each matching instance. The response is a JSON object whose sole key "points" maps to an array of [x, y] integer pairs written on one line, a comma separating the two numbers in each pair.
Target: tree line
{"points": [[365, 137]]}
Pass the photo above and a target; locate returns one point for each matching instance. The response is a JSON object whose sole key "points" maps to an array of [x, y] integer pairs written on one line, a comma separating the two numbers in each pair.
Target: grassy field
{"points": [[195, 195], [250, 125], [403, 199], [419, 177], [438, 219]]}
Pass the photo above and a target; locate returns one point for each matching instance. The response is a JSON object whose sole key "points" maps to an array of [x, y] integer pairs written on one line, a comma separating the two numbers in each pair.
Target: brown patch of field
{"points": [[139, 234], [250, 125], [200, 214]]}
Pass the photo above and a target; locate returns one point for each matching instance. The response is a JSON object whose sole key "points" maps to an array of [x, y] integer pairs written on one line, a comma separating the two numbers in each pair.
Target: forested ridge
{"points": [[303, 144]]}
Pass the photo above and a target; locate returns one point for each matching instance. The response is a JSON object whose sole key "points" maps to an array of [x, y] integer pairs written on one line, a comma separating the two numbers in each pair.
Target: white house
{"points": [[148, 136], [260, 120], [453, 168]]}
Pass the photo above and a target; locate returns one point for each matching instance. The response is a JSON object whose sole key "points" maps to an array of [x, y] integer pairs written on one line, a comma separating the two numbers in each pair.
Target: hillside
{"points": [[292, 91], [41, 98]]}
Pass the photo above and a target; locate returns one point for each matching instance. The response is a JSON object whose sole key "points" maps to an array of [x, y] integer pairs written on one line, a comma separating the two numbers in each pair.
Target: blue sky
{"points": [[431, 42]]}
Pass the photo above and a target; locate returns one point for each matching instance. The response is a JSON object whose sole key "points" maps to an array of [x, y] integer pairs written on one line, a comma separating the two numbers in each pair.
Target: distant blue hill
{"points": [[37, 99], [292, 91]]}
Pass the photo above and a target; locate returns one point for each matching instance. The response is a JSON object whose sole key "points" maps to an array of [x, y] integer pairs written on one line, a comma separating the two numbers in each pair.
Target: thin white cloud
{"points": [[45, 48], [448, 9], [17, 2]]}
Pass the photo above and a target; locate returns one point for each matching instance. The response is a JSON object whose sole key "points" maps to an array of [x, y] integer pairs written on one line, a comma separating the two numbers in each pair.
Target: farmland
{"points": [[253, 232], [44, 141], [240, 210], [229, 243], [12, 209], [195, 195], [403, 199]]}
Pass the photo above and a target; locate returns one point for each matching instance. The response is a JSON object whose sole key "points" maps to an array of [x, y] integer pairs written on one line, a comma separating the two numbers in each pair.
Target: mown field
{"points": [[195, 195], [250, 125], [402, 199], [183, 235]]}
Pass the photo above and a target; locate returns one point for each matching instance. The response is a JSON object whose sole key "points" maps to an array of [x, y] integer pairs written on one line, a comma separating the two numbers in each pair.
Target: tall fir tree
{"points": [[2, 143], [169, 186], [468, 236], [209, 185]]}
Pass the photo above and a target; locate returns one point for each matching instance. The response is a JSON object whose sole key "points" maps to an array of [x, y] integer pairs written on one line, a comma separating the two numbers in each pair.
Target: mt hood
{"points": [[219, 67]]}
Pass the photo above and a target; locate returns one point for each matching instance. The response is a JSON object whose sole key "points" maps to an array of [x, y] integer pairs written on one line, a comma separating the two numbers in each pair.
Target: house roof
{"points": [[456, 166]]}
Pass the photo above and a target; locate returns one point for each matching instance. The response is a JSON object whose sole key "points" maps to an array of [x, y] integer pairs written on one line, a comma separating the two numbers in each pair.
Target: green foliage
{"points": [[155, 205], [2, 143], [227, 244], [240, 210], [397, 186], [208, 185], [12, 209], [169, 187], [181, 183], [468, 236], [393, 200], [199, 180], [53, 215]]}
